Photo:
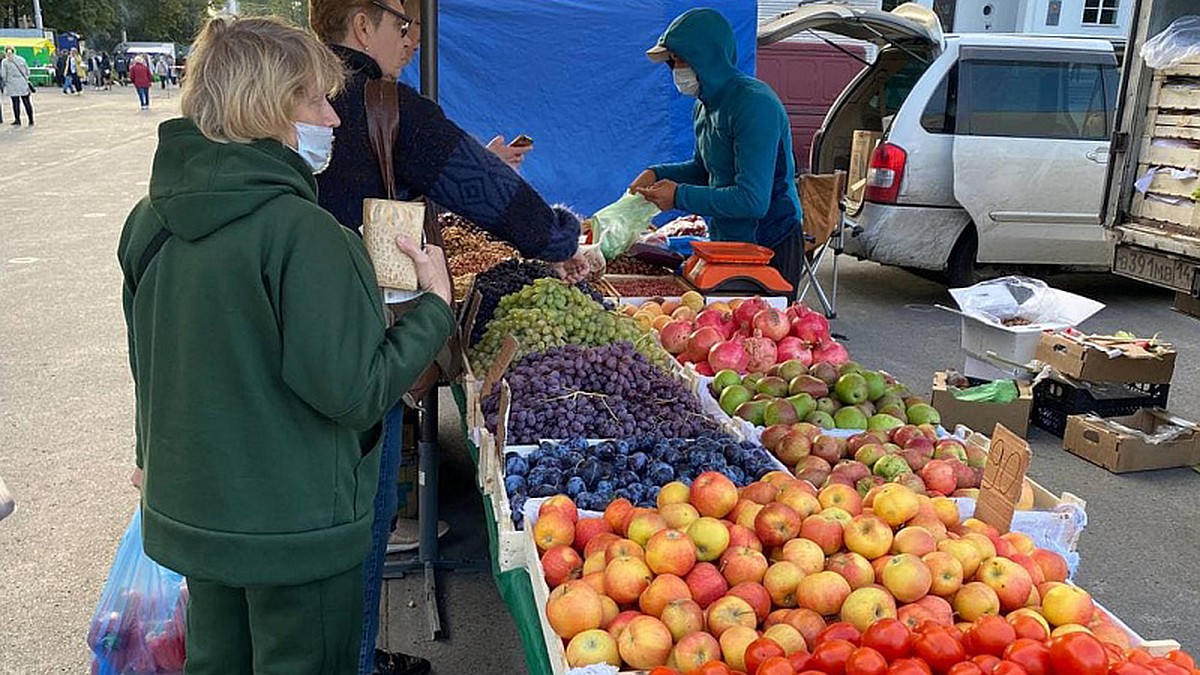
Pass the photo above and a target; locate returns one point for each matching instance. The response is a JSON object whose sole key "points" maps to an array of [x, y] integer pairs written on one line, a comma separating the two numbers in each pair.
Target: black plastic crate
{"points": [[1054, 401]]}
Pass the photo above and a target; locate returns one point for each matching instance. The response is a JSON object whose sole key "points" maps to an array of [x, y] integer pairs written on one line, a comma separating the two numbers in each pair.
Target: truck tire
{"points": [[961, 267]]}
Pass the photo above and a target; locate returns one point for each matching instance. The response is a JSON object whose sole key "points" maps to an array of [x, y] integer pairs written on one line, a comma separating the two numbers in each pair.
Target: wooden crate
{"points": [[1173, 114]]}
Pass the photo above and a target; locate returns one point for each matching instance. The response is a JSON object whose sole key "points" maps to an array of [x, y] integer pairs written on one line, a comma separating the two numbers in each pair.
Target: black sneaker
{"points": [[395, 663]]}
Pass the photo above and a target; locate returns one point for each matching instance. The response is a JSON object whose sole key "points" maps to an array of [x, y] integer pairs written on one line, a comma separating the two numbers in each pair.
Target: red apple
{"points": [[743, 564], [573, 608], [645, 643], [776, 524], [562, 564], [756, 596], [663, 590], [670, 552], [706, 584], [713, 494]]}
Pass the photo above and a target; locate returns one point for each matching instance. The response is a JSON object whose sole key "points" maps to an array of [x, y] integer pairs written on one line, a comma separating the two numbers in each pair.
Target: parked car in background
{"points": [[993, 150]]}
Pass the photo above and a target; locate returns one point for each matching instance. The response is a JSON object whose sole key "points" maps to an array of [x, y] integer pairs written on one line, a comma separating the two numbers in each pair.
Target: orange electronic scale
{"points": [[730, 266]]}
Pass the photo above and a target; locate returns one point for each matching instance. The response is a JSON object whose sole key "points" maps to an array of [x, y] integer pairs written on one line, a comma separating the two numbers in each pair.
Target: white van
{"points": [[994, 146]]}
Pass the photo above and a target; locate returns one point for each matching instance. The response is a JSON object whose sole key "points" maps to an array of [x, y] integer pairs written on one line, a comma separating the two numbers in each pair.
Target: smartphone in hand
{"points": [[521, 141]]}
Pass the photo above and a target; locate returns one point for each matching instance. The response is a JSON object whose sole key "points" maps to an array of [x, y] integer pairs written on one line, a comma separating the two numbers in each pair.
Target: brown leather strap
{"points": [[383, 123]]}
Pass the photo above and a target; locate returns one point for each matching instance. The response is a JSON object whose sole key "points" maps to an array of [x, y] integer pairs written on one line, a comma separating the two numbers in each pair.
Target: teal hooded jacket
{"points": [[742, 177]]}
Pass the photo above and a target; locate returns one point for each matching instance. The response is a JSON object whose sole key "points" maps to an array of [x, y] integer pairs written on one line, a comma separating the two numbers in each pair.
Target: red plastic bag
{"points": [[139, 627]]}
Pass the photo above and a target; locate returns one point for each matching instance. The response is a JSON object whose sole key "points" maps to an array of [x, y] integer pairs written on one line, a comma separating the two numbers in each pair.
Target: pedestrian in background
{"points": [[162, 70], [73, 71], [105, 71], [142, 80], [15, 74], [121, 64], [94, 71]]}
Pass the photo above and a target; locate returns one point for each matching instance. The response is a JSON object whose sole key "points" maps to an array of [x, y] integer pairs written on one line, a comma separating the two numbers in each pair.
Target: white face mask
{"points": [[314, 144], [686, 81]]}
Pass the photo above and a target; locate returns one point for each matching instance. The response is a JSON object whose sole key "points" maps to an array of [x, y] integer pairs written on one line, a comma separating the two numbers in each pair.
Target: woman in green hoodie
{"points": [[262, 359]]}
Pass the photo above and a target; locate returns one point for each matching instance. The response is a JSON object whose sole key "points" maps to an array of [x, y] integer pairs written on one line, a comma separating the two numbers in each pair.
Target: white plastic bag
{"points": [[1179, 42], [1024, 302]]}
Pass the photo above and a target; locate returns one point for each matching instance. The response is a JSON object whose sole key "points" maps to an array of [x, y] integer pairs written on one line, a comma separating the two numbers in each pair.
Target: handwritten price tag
{"points": [[1003, 476]]}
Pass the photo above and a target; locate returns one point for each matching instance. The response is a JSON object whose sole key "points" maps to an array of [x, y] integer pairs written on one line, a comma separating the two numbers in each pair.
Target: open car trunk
{"points": [[909, 38]]}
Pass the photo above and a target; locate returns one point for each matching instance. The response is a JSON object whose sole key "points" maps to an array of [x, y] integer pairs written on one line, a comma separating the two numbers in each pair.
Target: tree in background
{"points": [[294, 11], [101, 21]]}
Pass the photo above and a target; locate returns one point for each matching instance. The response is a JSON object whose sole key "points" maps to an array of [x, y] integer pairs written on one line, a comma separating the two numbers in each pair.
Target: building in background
{"points": [[1082, 18]]}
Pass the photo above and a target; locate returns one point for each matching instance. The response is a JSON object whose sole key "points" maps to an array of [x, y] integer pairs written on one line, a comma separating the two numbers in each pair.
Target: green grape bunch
{"points": [[550, 313]]}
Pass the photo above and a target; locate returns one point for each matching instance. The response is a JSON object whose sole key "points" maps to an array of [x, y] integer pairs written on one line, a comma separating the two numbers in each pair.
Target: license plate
{"points": [[1156, 268]]}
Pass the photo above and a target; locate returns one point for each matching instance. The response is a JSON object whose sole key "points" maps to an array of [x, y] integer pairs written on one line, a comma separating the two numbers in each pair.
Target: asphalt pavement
{"points": [[66, 412]]}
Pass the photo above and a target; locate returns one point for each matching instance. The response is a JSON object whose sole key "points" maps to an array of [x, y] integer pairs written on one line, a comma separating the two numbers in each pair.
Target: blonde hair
{"points": [[245, 77]]}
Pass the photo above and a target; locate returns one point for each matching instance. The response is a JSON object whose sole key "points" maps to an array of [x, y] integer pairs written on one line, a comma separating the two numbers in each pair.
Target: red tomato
{"points": [[1165, 666], [1128, 668], [1031, 655], [801, 661], [776, 665], [965, 668], [830, 657], [986, 662], [1182, 658], [909, 666], [1078, 654], [866, 661], [1029, 627], [713, 668], [989, 635], [663, 670], [840, 630], [1115, 653], [889, 637], [759, 651], [940, 648], [1139, 656], [1007, 667]]}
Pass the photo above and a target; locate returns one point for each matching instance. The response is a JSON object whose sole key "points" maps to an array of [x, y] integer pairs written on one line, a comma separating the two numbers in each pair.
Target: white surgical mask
{"points": [[686, 81], [314, 144]]}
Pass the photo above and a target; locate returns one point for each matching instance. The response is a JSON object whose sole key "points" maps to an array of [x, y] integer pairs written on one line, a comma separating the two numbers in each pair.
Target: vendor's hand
{"points": [[431, 268], [661, 194], [508, 154], [645, 179], [135, 478]]}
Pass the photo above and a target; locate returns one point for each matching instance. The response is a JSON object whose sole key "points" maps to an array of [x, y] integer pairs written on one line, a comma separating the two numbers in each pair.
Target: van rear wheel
{"points": [[961, 267]]}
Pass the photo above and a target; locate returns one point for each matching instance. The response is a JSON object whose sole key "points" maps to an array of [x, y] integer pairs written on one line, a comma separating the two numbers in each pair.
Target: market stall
{"points": [[747, 480]]}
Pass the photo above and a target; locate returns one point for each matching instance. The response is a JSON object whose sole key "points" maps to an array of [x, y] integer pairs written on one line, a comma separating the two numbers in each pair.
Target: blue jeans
{"points": [[387, 500], [143, 96]]}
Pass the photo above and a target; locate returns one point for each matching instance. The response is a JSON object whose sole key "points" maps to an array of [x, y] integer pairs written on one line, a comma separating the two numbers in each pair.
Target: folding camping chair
{"points": [[822, 199]]}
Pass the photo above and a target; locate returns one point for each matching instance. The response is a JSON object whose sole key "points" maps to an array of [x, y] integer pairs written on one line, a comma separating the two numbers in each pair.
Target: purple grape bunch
{"points": [[611, 391]]}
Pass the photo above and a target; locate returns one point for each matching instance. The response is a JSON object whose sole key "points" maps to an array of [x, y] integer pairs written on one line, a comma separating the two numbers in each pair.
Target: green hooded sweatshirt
{"points": [[261, 363]]}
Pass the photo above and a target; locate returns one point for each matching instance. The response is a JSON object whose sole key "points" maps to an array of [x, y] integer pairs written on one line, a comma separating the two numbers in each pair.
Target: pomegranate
{"points": [[813, 328], [793, 348], [729, 354], [797, 311], [762, 352], [704, 369], [700, 341], [771, 323], [830, 352], [744, 314], [722, 321], [675, 336]]}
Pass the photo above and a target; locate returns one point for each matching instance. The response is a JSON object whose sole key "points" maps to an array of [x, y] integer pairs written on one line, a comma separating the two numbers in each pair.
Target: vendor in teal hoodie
{"points": [[262, 359], [742, 176]]}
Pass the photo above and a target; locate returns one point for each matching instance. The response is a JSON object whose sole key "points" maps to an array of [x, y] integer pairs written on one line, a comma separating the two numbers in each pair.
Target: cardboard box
{"points": [[1101, 442], [1092, 364], [861, 148], [979, 415]]}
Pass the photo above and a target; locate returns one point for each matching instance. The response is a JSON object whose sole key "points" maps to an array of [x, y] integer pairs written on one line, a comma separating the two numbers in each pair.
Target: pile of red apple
{"points": [[910, 455], [713, 569], [751, 336]]}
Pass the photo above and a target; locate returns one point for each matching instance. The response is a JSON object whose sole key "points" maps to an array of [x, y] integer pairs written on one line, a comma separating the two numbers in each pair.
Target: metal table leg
{"points": [[428, 560]]}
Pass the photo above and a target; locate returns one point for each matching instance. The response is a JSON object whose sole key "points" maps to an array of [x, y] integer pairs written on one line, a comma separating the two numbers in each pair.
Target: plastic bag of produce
{"points": [[1179, 42], [617, 226], [139, 625], [1024, 303], [1000, 391]]}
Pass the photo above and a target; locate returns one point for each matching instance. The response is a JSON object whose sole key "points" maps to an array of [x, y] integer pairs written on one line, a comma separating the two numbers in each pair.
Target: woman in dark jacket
{"points": [[433, 158]]}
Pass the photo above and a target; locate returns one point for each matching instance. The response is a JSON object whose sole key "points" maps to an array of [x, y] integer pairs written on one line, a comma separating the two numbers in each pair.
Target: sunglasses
{"points": [[405, 22]]}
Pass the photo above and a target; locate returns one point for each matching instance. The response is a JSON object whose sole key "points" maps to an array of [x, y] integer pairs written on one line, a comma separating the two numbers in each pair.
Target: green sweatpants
{"points": [[311, 629]]}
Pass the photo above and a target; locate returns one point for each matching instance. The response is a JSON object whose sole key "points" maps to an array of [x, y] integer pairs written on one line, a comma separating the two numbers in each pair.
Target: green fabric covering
{"points": [[514, 585]]}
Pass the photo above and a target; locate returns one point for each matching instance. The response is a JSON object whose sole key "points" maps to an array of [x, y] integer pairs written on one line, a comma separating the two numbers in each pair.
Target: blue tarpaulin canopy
{"points": [[573, 75]]}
